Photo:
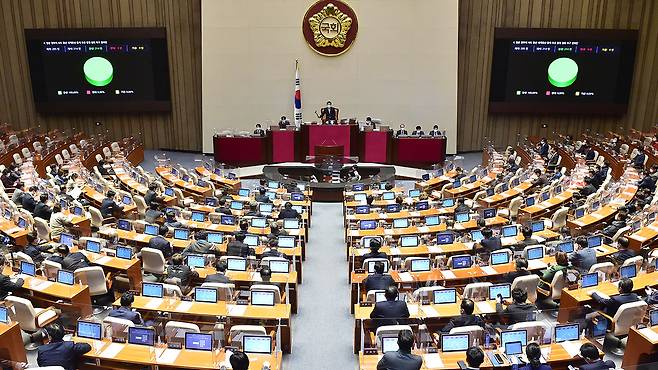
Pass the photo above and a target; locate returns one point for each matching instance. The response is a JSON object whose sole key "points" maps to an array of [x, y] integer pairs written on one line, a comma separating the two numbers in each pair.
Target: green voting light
{"points": [[562, 72], [98, 71]]}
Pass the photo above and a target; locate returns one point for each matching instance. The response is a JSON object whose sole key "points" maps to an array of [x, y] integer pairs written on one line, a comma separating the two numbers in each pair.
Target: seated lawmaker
{"points": [[489, 243], [200, 245], [220, 275], [288, 212], [402, 359], [238, 248], [546, 276], [534, 356], [466, 317], [259, 131], [521, 270], [273, 249], [183, 273], [375, 245], [125, 311], [6, 284], [222, 208], [72, 261], [160, 243], [402, 131], [418, 131], [262, 197], [612, 304], [638, 160], [58, 352], [584, 257], [109, 207], [593, 361], [378, 280], [391, 311], [517, 311], [461, 206], [623, 251], [41, 209], [474, 358], [435, 131]]}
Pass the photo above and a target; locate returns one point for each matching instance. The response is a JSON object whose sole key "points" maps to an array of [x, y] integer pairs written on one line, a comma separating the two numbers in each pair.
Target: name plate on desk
{"points": [[435, 249], [447, 274], [406, 277]]}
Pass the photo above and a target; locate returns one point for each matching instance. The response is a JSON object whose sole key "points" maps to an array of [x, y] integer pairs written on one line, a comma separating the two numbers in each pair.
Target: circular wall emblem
{"points": [[330, 27]]}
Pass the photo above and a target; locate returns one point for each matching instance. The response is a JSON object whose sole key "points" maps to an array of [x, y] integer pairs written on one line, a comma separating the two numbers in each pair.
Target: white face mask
{"points": [[328, 105]]}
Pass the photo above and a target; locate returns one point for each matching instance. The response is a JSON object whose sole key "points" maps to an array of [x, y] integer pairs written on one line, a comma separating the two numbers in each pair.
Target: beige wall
{"points": [[402, 67]]}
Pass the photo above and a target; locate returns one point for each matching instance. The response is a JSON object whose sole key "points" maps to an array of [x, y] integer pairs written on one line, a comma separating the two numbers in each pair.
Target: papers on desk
{"points": [[388, 231], [395, 251], [112, 350], [433, 361], [650, 334], [429, 311], [436, 249], [40, 285], [14, 229], [103, 260], [184, 306], [572, 347], [447, 274], [153, 303], [423, 229], [489, 270], [483, 306], [255, 276], [538, 238], [413, 309], [75, 192], [236, 310], [406, 277], [168, 356]]}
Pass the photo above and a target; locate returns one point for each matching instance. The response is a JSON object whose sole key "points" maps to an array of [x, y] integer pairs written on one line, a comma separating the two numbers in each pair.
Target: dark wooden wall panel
{"points": [[477, 19], [179, 129]]}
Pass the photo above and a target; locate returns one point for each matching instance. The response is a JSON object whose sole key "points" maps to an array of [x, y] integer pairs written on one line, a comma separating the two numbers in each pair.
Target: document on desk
{"points": [[168, 356], [436, 249], [483, 306], [429, 311], [112, 350], [14, 229], [413, 310], [650, 334], [433, 361], [423, 229], [184, 306], [153, 303], [406, 277], [236, 310], [489, 270], [40, 285], [536, 265], [395, 251], [103, 260], [255, 276], [572, 347], [447, 274]]}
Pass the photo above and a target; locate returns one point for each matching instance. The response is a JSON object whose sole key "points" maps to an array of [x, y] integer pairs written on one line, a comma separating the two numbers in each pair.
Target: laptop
{"points": [[4, 317], [629, 271], [169, 192], [286, 241], [422, 205], [653, 317], [360, 197], [66, 239], [358, 187], [529, 201], [509, 231], [566, 247], [580, 212], [291, 223], [198, 216], [262, 298], [282, 267], [196, 260], [537, 226], [400, 223], [89, 330], [362, 210], [124, 225], [513, 350], [461, 262], [367, 225], [257, 344], [388, 195], [141, 336], [151, 230], [389, 344], [449, 202], [432, 220], [124, 252], [414, 193], [505, 290], [421, 265], [520, 335], [78, 211], [393, 208], [445, 296], [237, 205], [227, 220], [499, 258], [566, 332], [594, 241], [251, 240], [409, 241], [476, 235], [152, 290], [265, 208], [489, 213], [243, 192], [65, 277], [298, 197], [273, 184], [198, 341], [259, 222], [126, 200], [535, 253], [454, 342], [205, 295], [27, 268], [462, 217], [210, 201]]}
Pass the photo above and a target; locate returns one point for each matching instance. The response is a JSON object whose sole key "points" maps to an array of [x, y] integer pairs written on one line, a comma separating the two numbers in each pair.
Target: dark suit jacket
{"points": [[127, 314], [239, 249], [491, 244], [64, 354], [463, 320], [150, 196], [390, 313], [378, 281], [162, 245], [543, 150], [109, 206], [517, 312], [612, 304], [75, 261], [329, 114], [6, 286], [288, 213], [183, 272], [28, 202], [259, 132], [510, 276], [400, 360], [401, 133], [374, 255], [43, 211], [217, 278], [417, 133], [598, 365]]}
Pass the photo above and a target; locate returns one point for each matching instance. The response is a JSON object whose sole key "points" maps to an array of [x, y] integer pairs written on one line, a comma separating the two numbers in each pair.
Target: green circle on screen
{"points": [[98, 71], [562, 72]]}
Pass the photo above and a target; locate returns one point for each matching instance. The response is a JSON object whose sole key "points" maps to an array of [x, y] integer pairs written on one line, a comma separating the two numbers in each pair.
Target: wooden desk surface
{"points": [[642, 344], [435, 311], [604, 212], [131, 184], [554, 202], [40, 284], [423, 249], [11, 343], [166, 174], [10, 229], [644, 236], [381, 231], [402, 214], [97, 198], [232, 184], [207, 225], [250, 276], [507, 195], [470, 187], [436, 181]]}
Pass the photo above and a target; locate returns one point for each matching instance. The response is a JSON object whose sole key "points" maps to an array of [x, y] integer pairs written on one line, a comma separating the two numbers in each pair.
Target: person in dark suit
{"points": [[391, 311], [261, 197], [584, 257], [553, 158], [153, 214], [104, 171], [623, 252], [375, 245], [533, 353], [461, 206], [378, 280], [527, 238], [273, 249], [220, 275], [612, 304], [182, 272], [489, 243], [259, 131], [109, 207], [265, 274], [200, 245], [418, 131], [283, 123], [540, 178], [402, 359], [435, 131], [58, 352], [638, 160], [152, 195], [72, 261], [586, 190], [221, 207], [402, 131], [160, 243], [33, 250], [474, 358], [27, 201], [519, 310], [329, 114], [288, 212], [6, 285], [466, 318], [543, 148], [590, 354], [239, 361], [41, 209], [237, 247], [125, 312], [521, 270]]}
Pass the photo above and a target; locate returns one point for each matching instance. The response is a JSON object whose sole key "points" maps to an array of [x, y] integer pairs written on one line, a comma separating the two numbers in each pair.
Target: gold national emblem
{"points": [[330, 27]]}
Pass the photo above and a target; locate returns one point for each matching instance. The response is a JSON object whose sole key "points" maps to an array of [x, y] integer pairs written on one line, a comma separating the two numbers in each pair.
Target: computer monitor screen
{"points": [[500, 289], [237, 205], [258, 222], [432, 220], [236, 264], [243, 192], [595, 205], [298, 197], [227, 220], [456, 184], [476, 235], [594, 241], [93, 246], [198, 341], [66, 239], [653, 317], [367, 225], [566, 247], [629, 271], [207, 295], [231, 176], [445, 238], [380, 296], [257, 344], [124, 252], [580, 212], [251, 240], [279, 266], [89, 330], [462, 217], [409, 241], [558, 189], [7, 214], [388, 195], [195, 260], [489, 213], [499, 258], [216, 238], [537, 226], [22, 223], [490, 191], [124, 225], [153, 290], [400, 223], [4, 318], [422, 205], [535, 253], [181, 234], [265, 208], [77, 211], [566, 332], [291, 223], [425, 176], [360, 197], [414, 193], [126, 200], [141, 336], [151, 230], [590, 280], [198, 216], [460, 262], [444, 296], [421, 265], [545, 195], [454, 342], [513, 348], [439, 172], [361, 210], [262, 298], [509, 231], [389, 344], [358, 187], [65, 277], [516, 182], [273, 184], [210, 201], [514, 336], [169, 192], [64, 204], [393, 208], [270, 195], [201, 183], [28, 268], [530, 201], [286, 241], [449, 202]]}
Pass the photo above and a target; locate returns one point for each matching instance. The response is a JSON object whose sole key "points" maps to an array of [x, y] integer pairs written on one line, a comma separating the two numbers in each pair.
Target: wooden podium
{"points": [[330, 150]]}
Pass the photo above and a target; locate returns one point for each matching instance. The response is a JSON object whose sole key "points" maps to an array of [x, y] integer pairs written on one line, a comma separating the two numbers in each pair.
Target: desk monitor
{"points": [[545, 195], [566, 247], [499, 258], [151, 229], [124, 252], [362, 210], [236, 264], [414, 193], [141, 336], [504, 188], [472, 178], [89, 330], [566, 332], [636, 225], [262, 298], [198, 216], [454, 342], [590, 280], [490, 191], [7, 214], [400, 223], [461, 262], [186, 177], [153, 290], [196, 260], [237, 205], [380, 296], [594, 241], [444, 238], [629, 271], [360, 197], [382, 186], [449, 202], [216, 238], [210, 201], [462, 217], [653, 317], [301, 187], [393, 208], [259, 222], [243, 192], [421, 265], [409, 241], [537, 226], [181, 234], [651, 217], [388, 195], [425, 176], [445, 296], [529, 201], [169, 192], [265, 208], [389, 344], [22, 223], [257, 344], [93, 246], [358, 187], [251, 240], [227, 220], [456, 184], [516, 182], [509, 231], [174, 172], [4, 318], [505, 290], [270, 195], [286, 241], [64, 204], [65, 277], [422, 205], [580, 212], [595, 206], [126, 200], [124, 225], [367, 225], [282, 267], [513, 348], [298, 197], [291, 223], [371, 266], [489, 213], [558, 189], [198, 341], [439, 172], [77, 210], [206, 295], [28, 268], [273, 184], [66, 239], [201, 184], [476, 235], [535, 253], [520, 335], [432, 220]]}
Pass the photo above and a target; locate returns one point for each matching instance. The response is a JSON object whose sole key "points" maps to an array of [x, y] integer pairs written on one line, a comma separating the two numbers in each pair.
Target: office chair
{"points": [[477, 291], [29, 318], [528, 283], [628, 315]]}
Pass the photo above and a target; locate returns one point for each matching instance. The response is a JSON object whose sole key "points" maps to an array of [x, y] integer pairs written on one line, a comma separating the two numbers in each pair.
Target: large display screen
{"points": [[562, 70], [99, 69]]}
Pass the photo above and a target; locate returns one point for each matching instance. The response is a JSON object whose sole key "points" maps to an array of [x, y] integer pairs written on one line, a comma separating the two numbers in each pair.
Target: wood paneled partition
{"points": [[178, 129], [477, 20]]}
